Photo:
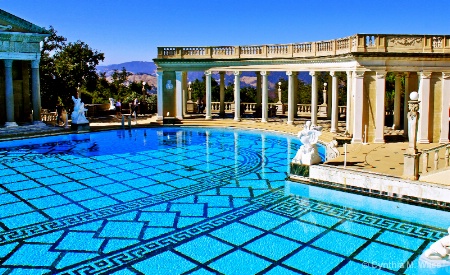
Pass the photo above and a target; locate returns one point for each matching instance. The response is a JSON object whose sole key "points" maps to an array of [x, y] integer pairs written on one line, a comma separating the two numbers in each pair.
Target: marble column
{"points": [[160, 94], [222, 94], [348, 109], [334, 103], [237, 95], [36, 92], [208, 94], [27, 103], [424, 109], [314, 97], [184, 84], [358, 103], [179, 94], [443, 137], [405, 103], [380, 112], [9, 94], [265, 96], [290, 119], [397, 101], [258, 90]]}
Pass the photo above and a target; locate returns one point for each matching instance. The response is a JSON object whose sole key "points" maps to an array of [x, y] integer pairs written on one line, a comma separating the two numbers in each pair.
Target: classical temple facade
{"points": [[20, 99], [421, 62]]}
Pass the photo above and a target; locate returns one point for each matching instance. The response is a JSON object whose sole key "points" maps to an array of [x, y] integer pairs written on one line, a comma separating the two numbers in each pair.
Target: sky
{"points": [[132, 30]]}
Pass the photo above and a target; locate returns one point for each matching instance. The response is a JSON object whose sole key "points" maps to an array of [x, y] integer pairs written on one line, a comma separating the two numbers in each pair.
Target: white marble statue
{"points": [[78, 116], [308, 154], [439, 249], [112, 104]]}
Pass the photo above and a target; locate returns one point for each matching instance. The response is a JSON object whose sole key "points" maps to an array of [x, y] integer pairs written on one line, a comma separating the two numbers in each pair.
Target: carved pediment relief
{"points": [[406, 41], [12, 23]]}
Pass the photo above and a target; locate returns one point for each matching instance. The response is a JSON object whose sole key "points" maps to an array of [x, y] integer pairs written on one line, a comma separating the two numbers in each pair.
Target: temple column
{"points": [[208, 94], [334, 103], [405, 103], [397, 101], [258, 90], [349, 103], [295, 103], [265, 95], [291, 100], [36, 92], [222, 94], [358, 103], [237, 95], [314, 97], [9, 94], [179, 94], [184, 84], [160, 94], [424, 109], [380, 111], [26, 91], [443, 137]]}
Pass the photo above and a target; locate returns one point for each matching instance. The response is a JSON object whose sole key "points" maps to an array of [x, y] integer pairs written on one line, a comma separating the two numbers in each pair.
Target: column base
{"points": [[11, 124], [159, 118], [290, 122], [237, 119], [443, 141], [423, 141], [357, 140], [208, 118], [264, 120], [379, 141], [333, 130]]}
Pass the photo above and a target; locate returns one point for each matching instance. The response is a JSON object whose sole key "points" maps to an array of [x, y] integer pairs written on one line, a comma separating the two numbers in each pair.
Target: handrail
{"points": [[358, 43], [436, 150]]}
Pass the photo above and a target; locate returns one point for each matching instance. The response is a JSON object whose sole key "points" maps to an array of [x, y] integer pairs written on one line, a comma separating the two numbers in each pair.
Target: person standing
{"points": [[118, 108], [59, 109]]}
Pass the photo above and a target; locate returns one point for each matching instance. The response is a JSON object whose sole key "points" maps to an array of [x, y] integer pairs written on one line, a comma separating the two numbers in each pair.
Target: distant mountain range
{"points": [[146, 71]]}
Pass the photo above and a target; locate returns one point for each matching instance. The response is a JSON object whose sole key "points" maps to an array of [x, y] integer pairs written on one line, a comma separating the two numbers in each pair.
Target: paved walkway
{"points": [[380, 158]]}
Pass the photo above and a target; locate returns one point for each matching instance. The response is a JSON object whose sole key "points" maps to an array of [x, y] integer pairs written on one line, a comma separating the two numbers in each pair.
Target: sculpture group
{"points": [[78, 116], [308, 153]]}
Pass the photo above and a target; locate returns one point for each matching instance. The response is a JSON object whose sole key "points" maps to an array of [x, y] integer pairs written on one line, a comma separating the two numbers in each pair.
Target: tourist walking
{"points": [[118, 108]]}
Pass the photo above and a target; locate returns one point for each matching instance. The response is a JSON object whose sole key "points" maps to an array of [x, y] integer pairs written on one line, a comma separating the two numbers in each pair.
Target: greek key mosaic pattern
{"points": [[296, 207]]}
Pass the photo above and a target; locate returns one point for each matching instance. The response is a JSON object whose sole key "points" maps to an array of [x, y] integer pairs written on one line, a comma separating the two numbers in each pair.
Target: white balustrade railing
{"points": [[434, 154], [250, 108], [355, 43]]}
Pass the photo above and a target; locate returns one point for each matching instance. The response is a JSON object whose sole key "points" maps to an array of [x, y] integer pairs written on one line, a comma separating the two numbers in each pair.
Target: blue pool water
{"points": [[192, 201]]}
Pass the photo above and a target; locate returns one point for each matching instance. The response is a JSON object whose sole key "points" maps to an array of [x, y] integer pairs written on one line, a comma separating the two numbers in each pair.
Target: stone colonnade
{"points": [[365, 113], [21, 87]]}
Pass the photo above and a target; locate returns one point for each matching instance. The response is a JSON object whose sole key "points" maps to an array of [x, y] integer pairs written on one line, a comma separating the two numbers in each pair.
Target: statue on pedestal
{"points": [[112, 104], [78, 116], [308, 153]]}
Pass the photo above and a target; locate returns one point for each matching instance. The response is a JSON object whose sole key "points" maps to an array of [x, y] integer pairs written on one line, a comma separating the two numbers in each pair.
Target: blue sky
{"points": [[131, 30]]}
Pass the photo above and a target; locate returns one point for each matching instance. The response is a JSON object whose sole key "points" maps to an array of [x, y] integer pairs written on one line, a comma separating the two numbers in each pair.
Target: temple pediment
{"points": [[12, 23]]}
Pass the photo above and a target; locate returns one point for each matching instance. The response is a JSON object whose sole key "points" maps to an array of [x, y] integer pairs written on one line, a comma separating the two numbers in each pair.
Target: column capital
{"points": [[333, 73], [236, 73], [35, 64], [291, 73], [359, 74], [264, 72], [178, 74], [312, 73], [221, 73], [381, 74], [445, 75], [348, 72], [398, 75], [8, 63], [425, 75], [208, 72]]}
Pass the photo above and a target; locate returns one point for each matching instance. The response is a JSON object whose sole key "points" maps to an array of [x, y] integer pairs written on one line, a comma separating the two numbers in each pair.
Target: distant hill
{"points": [[146, 71], [135, 67]]}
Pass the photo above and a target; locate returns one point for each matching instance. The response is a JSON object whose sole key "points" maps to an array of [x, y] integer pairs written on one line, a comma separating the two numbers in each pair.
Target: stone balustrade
{"points": [[250, 108], [358, 43], [434, 154]]}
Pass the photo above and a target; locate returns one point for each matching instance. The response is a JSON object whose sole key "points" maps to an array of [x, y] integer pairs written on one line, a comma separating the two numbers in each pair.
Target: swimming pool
{"points": [[192, 201]]}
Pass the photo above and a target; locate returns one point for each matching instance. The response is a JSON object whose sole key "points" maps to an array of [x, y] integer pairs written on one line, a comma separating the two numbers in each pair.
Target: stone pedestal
{"points": [[80, 127], [411, 166]]}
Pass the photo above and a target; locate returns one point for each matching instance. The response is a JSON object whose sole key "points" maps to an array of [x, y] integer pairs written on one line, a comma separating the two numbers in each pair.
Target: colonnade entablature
{"points": [[358, 43]]}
